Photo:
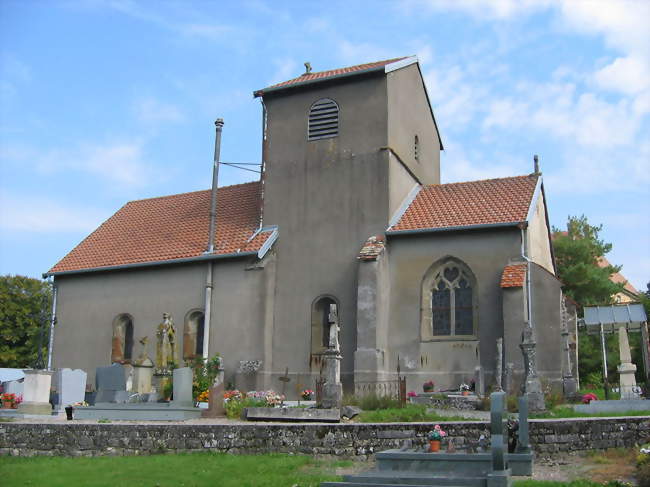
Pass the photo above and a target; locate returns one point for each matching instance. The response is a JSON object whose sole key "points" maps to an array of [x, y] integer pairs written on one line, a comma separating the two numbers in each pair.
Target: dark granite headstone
{"points": [[111, 384], [215, 403]]}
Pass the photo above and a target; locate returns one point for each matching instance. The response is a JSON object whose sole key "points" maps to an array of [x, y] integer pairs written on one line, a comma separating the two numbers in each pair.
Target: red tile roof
{"points": [[490, 201], [171, 227], [373, 247], [322, 75], [617, 277], [513, 275]]}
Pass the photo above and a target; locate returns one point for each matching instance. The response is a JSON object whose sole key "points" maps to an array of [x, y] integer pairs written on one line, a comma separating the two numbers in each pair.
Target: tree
{"points": [[576, 253], [24, 313]]}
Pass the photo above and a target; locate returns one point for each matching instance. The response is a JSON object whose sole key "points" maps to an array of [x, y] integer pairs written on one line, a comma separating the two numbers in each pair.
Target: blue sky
{"points": [[105, 101]]}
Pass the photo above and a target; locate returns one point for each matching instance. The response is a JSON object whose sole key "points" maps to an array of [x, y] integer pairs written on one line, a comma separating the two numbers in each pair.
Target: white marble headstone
{"points": [[72, 386], [183, 387]]}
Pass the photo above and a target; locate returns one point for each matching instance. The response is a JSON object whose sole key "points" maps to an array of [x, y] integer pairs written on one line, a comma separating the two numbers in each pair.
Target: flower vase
{"points": [[434, 446], [68, 412], [7, 404], [465, 393]]}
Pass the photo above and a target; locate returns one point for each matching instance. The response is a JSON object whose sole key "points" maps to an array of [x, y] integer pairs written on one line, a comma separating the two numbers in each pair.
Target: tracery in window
{"points": [[449, 301]]}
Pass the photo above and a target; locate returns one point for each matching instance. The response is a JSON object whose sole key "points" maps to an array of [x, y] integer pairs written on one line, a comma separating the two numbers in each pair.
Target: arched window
{"points": [[122, 343], [193, 334], [320, 328], [449, 301], [323, 119]]}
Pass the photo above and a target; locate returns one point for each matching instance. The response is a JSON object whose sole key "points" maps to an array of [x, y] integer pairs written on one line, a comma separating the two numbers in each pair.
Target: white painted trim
{"points": [[404, 206], [533, 200], [269, 241], [400, 64]]}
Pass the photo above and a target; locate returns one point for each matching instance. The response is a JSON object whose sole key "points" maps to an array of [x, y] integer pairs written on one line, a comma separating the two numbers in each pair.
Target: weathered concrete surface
{"points": [[293, 414], [360, 440]]}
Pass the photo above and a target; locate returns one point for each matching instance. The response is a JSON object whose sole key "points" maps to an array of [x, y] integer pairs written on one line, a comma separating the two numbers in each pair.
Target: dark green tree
{"points": [[576, 253], [24, 312]]}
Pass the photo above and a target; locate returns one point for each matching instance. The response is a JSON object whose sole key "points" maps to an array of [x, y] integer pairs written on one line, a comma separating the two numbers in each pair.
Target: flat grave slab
{"points": [[137, 412]]}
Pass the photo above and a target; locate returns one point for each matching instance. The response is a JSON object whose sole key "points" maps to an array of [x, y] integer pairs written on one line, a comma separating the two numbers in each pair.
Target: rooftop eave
{"points": [[480, 226], [199, 258]]}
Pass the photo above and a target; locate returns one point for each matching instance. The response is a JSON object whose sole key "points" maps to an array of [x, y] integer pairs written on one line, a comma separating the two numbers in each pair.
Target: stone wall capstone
{"points": [[359, 440]]}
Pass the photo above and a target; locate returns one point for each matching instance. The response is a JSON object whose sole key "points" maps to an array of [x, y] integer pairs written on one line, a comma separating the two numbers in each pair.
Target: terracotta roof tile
{"points": [[321, 75], [373, 247], [171, 227], [489, 201], [513, 275], [617, 277]]}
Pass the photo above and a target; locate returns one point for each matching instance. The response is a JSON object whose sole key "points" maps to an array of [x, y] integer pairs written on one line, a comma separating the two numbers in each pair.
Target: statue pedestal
{"points": [[332, 389], [142, 377], [36, 392]]}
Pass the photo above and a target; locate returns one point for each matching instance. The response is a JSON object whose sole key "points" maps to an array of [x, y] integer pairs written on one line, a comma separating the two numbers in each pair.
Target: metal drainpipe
{"points": [[213, 223], [529, 295], [50, 344]]}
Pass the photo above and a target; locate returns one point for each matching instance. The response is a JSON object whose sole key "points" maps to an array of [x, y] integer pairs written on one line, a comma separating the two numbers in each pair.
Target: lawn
{"points": [[217, 469], [189, 469], [407, 414]]}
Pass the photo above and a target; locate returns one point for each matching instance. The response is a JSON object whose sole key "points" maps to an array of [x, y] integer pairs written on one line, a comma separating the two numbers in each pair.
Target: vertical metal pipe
{"points": [[211, 238], [604, 350], [50, 344], [215, 183]]}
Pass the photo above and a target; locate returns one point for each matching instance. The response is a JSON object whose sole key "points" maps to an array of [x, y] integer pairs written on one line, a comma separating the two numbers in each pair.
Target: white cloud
{"points": [[150, 110], [286, 68], [37, 214], [121, 164], [628, 75]]}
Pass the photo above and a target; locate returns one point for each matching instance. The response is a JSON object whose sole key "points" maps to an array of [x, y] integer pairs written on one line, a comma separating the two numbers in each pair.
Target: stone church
{"points": [[349, 209]]}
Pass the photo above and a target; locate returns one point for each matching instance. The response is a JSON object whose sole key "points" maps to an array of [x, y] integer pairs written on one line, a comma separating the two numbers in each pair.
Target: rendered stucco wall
{"points": [[539, 245], [446, 361], [409, 115], [327, 197], [88, 303]]}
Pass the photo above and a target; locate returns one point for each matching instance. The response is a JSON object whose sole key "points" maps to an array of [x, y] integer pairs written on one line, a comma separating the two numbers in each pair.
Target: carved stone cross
{"points": [[284, 379]]}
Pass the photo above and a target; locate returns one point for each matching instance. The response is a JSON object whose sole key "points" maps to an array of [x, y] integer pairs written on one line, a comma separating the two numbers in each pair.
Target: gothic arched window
{"points": [[323, 119], [449, 301]]}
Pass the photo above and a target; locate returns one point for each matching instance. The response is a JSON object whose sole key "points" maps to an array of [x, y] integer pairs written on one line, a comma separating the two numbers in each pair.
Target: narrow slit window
{"points": [[416, 148], [323, 120]]}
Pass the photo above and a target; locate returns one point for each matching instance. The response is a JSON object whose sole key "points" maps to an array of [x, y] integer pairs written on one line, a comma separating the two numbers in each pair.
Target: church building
{"points": [[349, 210]]}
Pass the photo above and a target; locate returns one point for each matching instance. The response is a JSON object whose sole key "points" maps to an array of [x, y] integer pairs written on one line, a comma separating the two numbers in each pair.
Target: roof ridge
{"points": [[189, 192], [458, 183], [387, 61]]}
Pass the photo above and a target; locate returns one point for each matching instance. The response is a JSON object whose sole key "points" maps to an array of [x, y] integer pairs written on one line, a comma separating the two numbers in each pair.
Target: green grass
{"points": [[409, 413], [568, 412], [573, 483], [197, 469]]}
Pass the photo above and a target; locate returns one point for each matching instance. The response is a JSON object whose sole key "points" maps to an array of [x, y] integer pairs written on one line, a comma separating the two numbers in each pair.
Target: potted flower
{"points": [[307, 394], [435, 437], [411, 394], [428, 386], [8, 400], [587, 398], [464, 389]]}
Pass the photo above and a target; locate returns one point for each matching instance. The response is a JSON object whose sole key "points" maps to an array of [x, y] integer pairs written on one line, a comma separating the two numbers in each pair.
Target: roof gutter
{"points": [[456, 229], [200, 258]]}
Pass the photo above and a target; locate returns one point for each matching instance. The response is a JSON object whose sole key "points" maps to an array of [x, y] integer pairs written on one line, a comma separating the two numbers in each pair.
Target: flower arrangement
{"points": [[11, 400], [80, 404], [410, 394], [428, 386], [202, 397], [437, 434], [234, 395], [464, 387], [587, 398], [307, 394]]}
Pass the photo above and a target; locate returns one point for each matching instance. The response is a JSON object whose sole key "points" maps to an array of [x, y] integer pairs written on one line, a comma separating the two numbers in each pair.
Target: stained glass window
{"points": [[452, 301]]}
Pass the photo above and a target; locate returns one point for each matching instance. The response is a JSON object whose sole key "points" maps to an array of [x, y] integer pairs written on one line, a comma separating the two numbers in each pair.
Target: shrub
{"points": [[642, 473], [512, 404]]}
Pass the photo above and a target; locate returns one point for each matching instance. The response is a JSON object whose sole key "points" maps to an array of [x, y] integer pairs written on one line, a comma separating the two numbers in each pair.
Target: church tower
{"points": [[343, 151]]}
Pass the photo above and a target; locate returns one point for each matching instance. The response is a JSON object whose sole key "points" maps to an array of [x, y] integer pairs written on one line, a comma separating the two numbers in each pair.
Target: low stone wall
{"points": [[360, 440]]}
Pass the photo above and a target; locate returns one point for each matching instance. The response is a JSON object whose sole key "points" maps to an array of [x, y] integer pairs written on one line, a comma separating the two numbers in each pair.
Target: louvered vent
{"points": [[323, 119]]}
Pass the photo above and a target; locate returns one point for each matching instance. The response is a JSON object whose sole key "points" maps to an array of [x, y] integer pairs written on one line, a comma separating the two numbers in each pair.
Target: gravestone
{"points": [[215, 402], [332, 388], [110, 383], [509, 378], [500, 475], [142, 376], [626, 369], [36, 392], [183, 378], [479, 381], [71, 386], [499, 371]]}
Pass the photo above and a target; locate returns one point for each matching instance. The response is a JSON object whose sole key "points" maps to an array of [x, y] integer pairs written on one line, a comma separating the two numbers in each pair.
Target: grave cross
{"points": [[284, 379]]}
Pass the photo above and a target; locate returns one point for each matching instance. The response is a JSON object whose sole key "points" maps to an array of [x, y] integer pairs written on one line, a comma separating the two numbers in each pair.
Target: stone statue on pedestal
{"points": [[166, 354], [332, 389], [532, 387]]}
